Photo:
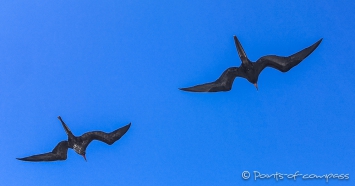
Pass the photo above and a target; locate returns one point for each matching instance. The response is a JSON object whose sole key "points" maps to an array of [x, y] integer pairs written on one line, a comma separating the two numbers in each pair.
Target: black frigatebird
{"points": [[79, 144], [251, 70]]}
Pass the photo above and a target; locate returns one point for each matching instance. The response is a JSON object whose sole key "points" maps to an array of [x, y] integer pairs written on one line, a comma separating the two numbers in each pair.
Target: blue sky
{"points": [[101, 65]]}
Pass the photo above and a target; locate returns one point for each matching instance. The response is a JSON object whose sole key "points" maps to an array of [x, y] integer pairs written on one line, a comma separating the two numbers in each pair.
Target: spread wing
{"points": [[58, 153], [108, 138], [223, 83], [284, 64]]}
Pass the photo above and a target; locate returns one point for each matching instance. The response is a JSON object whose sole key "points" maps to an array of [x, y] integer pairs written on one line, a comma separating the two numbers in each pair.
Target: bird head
{"points": [[84, 156], [254, 82], [78, 149], [82, 153], [251, 75]]}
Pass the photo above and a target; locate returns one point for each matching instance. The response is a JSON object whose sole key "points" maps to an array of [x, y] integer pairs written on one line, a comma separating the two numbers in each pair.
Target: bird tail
{"points": [[66, 128], [242, 55]]}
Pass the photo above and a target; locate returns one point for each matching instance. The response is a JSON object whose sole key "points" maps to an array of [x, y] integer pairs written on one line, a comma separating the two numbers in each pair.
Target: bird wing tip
{"points": [[21, 159]]}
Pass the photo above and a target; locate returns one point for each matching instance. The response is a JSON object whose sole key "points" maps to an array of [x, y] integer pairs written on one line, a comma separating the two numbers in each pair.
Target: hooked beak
{"points": [[256, 86], [84, 157]]}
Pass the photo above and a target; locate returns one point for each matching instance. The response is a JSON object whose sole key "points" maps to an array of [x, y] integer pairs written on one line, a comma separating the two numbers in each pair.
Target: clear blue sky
{"points": [[101, 65]]}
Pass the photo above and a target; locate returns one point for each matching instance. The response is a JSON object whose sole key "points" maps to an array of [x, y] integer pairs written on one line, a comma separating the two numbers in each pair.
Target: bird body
{"points": [[251, 70], [78, 144]]}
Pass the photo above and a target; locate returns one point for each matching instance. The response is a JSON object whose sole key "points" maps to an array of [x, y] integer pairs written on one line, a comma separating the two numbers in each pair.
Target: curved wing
{"points": [[58, 153], [284, 64], [208, 87], [223, 83], [108, 138]]}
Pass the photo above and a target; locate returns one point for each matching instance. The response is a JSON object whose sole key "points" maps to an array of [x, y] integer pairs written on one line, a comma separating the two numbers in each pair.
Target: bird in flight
{"points": [[251, 70], [79, 143]]}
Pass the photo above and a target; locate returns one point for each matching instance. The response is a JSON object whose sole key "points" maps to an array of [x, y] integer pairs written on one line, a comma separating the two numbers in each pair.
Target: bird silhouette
{"points": [[251, 70], [79, 144]]}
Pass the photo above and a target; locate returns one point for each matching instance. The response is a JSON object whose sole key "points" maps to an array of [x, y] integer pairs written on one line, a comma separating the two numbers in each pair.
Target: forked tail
{"points": [[66, 128], [242, 55]]}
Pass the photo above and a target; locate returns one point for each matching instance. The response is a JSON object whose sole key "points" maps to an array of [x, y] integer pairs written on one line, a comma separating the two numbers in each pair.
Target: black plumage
{"points": [[251, 70], [78, 144]]}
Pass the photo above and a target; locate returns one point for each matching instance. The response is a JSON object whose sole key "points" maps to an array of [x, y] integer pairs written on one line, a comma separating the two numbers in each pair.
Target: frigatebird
{"points": [[79, 144], [251, 70]]}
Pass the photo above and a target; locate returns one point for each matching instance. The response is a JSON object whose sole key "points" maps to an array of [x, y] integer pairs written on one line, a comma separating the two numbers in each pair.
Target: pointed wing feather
{"points": [[284, 64], [223, 83], [58, 153], [108, 138], [207, 87]]}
